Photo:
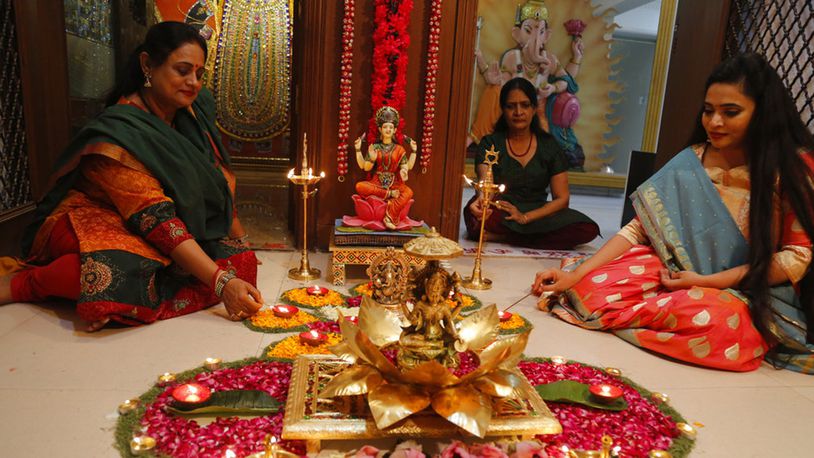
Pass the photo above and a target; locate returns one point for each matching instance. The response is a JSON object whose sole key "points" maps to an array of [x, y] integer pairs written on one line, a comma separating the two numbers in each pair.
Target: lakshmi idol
{"points": [[387, 164]]}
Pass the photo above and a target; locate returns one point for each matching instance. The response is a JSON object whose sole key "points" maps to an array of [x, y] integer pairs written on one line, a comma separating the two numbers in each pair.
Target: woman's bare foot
{"points": [[5, 289], [97, 325]]}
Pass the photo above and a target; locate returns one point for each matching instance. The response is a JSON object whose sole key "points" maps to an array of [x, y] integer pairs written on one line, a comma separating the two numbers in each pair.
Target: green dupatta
{"points": [[181, 158]]}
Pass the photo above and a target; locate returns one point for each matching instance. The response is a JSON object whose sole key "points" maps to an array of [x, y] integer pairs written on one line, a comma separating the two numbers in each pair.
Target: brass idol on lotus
{"points": [[428, 341]]}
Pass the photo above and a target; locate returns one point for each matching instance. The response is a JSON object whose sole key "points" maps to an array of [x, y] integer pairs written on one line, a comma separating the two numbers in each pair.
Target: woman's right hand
{"points": [[241, 299], [476, 208], [554, 281]]}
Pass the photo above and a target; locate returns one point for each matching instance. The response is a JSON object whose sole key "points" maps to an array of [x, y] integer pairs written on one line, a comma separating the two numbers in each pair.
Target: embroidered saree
{"points": [[689, 218], [132, 188]]}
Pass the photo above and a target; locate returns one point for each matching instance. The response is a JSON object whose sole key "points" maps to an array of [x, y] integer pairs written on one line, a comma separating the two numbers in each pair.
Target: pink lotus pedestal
{"points": [[370, 215]]}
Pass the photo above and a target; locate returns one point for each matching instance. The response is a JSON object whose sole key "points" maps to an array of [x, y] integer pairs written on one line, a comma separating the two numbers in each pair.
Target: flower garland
{"points": [[389, 78], [266, 321], [642, 427], [429, 87], [180, 437], [289, 348], [301, 298], [346, 64]]}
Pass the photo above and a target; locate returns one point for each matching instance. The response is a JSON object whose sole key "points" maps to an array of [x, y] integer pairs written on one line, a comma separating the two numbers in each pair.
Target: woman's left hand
{"points": [[680, 280], [514, 213]]}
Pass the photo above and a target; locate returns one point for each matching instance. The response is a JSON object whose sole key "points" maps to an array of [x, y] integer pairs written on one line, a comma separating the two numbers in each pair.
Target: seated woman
{"points": [[530, 160], [140, 223], [715, 268]]}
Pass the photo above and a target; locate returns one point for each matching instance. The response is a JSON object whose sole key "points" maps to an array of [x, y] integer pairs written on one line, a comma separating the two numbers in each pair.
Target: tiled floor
{"points": [[59, 386]]}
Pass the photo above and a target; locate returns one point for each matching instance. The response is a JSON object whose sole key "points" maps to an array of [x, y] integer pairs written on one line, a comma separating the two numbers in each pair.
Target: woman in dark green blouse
{"points": [[530, 161]]}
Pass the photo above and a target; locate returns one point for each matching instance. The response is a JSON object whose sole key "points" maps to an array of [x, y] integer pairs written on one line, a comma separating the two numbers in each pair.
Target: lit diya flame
{"points": [[313, 337], [191, 393], [605, 392], [284, 311], [504, 316], [316, 290], [394, 394]]}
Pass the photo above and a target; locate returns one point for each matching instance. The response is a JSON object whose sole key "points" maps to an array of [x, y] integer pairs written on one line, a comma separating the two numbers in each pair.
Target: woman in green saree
{"points": [[529, 162], [715, 269], [140, 223]]}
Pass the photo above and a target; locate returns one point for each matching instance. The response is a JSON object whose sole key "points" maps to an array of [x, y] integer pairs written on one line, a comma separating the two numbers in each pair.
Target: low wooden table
{"points": [[313, 419], [342, 255]]}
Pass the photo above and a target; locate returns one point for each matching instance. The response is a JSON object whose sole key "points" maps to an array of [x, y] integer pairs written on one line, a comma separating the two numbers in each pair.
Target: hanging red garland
{"points": [[345, 90], [390, 61], [430, 84]]}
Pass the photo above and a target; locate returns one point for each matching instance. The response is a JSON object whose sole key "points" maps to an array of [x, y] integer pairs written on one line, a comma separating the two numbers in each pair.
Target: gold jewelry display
{"points": [[305, 179], [253, 68], [488, 190]]}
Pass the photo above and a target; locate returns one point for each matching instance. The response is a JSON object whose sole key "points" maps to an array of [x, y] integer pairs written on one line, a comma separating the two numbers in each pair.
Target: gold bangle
{"points": [[576, 63]]}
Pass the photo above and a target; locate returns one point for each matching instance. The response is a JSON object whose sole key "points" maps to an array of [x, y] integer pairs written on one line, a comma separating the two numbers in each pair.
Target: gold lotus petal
{"points": [[516, 344], [380, 324], [466, 407], [480, 328], [344, 352], [431, 373], [500, 383], [352, 381], [392, 402], [364, 349]]}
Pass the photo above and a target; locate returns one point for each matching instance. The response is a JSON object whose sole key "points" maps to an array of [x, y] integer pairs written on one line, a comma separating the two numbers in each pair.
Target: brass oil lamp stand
{"points": [[305, 179], [488, 191]]}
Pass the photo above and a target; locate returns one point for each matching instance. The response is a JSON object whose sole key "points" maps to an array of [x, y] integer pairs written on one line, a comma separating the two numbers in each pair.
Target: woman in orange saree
{"points": [[139, 223]]}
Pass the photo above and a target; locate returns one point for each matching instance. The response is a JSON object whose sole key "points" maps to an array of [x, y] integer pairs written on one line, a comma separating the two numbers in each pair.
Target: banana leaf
{"points": [[576, 393], [231, 403]]}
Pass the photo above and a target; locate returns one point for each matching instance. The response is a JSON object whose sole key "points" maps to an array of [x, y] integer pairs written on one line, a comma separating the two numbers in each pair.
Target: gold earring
{"points": [[147, 82]]}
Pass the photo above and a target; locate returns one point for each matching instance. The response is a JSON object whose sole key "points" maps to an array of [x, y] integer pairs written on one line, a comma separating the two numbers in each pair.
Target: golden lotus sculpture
{"points": [[395, 392]]}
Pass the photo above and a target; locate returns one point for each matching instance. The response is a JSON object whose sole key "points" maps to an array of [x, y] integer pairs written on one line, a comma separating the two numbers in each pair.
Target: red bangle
{"points": [[214, 281]]}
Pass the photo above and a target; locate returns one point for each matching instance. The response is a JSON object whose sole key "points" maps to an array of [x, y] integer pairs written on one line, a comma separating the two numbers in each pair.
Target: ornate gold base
{"points": [[478, 283], [304, 273], [312, 418]]}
